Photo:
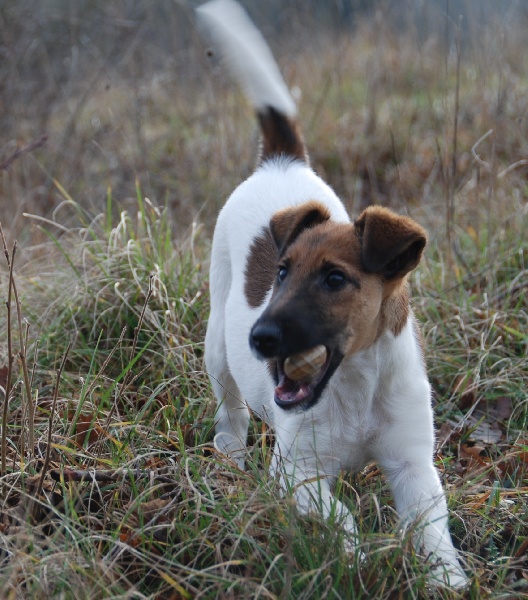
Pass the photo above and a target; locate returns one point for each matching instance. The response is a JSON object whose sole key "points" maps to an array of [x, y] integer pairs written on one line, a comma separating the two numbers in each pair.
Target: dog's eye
{"points": [[281, 275], [335, 280]]}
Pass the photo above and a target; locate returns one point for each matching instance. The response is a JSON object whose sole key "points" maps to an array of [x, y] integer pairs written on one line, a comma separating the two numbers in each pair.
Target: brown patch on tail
{"points": [[281, 136]]}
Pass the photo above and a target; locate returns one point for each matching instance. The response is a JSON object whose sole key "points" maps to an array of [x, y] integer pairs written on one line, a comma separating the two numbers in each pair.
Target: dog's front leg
{"points": [[312, 490], [420, 499], [232, 420], [232, 414]]}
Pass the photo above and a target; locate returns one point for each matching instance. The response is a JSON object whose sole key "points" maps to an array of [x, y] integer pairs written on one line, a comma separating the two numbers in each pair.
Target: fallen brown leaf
{"points": [[501, 409], [465, 386], [474, 456], [485, 431]]}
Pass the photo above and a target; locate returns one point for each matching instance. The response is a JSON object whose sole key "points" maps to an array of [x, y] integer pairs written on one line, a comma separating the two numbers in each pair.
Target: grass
{"points": [[122, 494], [135, 502]]}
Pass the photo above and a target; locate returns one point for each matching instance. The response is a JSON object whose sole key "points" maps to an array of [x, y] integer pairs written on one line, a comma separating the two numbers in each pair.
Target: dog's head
{"points": [[338, 286]]}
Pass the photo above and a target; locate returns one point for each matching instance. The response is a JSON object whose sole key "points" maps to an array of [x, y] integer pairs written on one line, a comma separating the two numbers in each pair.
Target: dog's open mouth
{"points": [[299, 376]]}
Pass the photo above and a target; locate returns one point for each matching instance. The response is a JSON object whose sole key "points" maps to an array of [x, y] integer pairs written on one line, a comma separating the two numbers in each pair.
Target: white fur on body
{"points": [[377, 404], [375, 407]]}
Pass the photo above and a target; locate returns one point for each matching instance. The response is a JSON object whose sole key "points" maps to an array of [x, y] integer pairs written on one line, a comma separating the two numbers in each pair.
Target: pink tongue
{"points": [[289, 391]]}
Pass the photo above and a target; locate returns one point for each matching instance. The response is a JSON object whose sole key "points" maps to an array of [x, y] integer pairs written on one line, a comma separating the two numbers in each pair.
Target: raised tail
{"points": [[251, 63]]}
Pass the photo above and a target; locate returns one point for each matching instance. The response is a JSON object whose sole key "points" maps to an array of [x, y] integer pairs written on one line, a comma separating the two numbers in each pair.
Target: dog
{"points": [[311, 327]]}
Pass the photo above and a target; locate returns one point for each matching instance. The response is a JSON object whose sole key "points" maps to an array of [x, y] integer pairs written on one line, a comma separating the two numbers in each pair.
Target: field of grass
{"points": [[110, 485]]}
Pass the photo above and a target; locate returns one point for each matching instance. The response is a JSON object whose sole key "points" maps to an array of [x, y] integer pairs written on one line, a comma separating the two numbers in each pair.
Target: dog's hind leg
{"points": [[232, 414]]}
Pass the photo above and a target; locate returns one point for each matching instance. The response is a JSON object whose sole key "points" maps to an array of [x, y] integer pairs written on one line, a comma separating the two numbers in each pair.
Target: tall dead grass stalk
{"points": [[7, 390], [23, 336], [452, 179]]}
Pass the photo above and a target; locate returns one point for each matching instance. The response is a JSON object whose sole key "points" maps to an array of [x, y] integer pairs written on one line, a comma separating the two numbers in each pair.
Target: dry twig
{"points": [[24, 150]]}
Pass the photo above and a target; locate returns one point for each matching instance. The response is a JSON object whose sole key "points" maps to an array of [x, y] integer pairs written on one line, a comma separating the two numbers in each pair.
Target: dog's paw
{"points": [[448, 576], [355, 554], [229, 446]]}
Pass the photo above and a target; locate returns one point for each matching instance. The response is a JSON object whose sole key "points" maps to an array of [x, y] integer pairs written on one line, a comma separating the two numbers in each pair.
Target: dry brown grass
{"points": [[164, 516]]}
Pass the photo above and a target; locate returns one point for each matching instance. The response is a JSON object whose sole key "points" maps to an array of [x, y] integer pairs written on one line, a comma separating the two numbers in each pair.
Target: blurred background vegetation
{"points": [[122, 136], [124, 90]]}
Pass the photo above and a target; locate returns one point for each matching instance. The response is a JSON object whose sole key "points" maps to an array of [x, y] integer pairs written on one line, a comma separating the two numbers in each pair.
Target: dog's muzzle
{"points": [[300, 374], [265, 340]]}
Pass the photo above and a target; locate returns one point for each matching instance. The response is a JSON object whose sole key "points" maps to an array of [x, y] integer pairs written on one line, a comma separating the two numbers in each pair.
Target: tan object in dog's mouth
{"points": [[303, 366]]}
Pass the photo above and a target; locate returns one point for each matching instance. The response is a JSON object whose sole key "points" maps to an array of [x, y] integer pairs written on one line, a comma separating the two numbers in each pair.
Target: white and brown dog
{"points": [[310, 325]]}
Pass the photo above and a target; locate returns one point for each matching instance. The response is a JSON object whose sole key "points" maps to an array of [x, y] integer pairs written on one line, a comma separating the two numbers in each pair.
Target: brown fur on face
{"points": [[261, 265], [287, 224], [350, 315], [370, 259]]}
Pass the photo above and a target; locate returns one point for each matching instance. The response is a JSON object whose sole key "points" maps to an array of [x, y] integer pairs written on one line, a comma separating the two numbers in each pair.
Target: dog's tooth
{"points": [[303, 366]]}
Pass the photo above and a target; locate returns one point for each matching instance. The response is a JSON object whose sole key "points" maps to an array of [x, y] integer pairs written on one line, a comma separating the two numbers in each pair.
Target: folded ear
{"points": [[286, 225], [391, 245]]}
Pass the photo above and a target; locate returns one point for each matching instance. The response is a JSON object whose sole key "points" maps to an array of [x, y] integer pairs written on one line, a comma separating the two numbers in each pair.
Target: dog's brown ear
{"points": [[391, 245], [288, 224]]}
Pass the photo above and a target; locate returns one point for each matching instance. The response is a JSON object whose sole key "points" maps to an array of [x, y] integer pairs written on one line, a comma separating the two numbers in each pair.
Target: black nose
{"points": [[265, 339]]}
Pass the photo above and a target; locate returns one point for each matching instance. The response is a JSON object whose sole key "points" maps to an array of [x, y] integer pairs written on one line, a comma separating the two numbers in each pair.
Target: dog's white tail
{"points": [[250, 61]]}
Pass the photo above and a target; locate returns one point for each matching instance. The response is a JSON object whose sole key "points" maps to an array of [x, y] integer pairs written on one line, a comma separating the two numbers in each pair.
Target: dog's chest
{"points": [[355, 433], [356, 415]]}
